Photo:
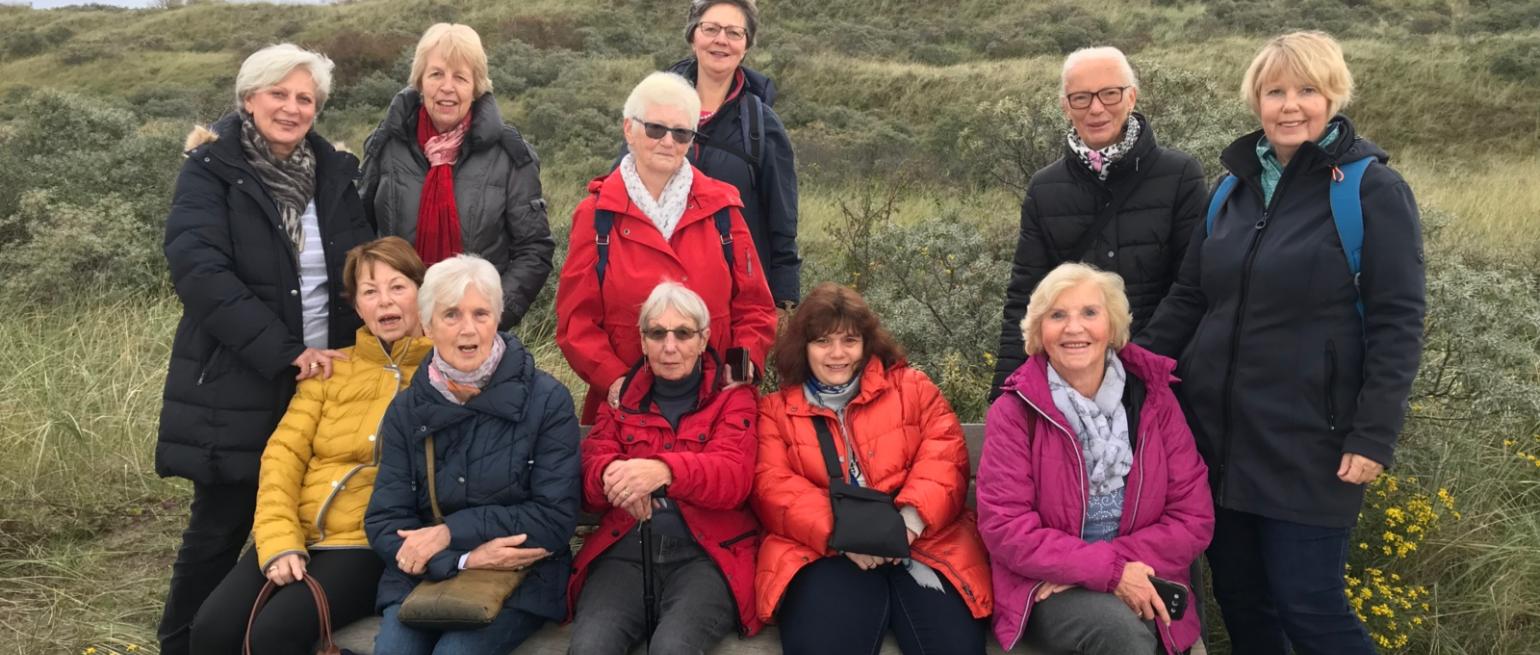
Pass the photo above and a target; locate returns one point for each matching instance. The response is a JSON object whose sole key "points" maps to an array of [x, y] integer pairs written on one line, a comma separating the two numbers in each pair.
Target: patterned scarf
{"points": [[1101, 425], [1100, 161], [290, 182], [666, 211], [438, 218], [458, 386]]}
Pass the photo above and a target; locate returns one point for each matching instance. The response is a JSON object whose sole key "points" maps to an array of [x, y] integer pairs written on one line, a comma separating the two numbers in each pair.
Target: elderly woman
{"points": [[1116, 199], [318, 471], [850, 406], [656, 218], [1297, 349], [263, 211], [743, 142], [445, 172], [1089, 483], [505, 475], [678, 456]]}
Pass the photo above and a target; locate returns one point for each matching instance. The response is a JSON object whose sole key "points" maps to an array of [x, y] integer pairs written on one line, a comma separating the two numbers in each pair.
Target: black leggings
{"points": [[288, 623], [833, 607], [217, 525]]}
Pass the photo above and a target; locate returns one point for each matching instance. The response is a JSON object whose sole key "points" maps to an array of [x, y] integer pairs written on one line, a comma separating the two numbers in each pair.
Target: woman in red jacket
{"points": [[657, 218], [678, 453], [842, 374]]}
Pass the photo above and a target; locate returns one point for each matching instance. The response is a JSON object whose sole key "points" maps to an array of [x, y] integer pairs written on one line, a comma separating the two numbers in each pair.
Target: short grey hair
{"points": [[676, 296], [666, 90], [446, 282], [270, 65], [1094, 54]]}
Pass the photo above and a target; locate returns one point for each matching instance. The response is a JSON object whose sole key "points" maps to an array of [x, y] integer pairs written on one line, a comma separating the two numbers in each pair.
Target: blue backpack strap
{"points": [[1217, 202], [604, 221], [1347, 212]]}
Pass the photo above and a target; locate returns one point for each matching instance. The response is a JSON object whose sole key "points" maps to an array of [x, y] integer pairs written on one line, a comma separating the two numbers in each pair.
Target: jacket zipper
{"points": [[1084, 491], [1138, 493], [966, 588], [203, 372], [320, 516], [1235, 338], [1331, 383]]}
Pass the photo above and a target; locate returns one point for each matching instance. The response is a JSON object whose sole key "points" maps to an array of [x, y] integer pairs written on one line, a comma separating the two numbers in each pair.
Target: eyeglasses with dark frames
{"points": [[681, 135], [734, 33], [1109, 96], [661, 333]]}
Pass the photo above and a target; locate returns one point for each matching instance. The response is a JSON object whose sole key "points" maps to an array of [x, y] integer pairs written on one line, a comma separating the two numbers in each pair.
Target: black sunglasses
{"points": [[656, 131], [661, 333]]}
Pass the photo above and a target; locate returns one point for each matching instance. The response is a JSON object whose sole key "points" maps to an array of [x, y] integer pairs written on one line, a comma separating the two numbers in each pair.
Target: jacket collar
{"points": [[405, 351], [1131, 162], [486, 120], [1031, 378], [506, 396], [222, 143], [1240, 157], [874, 382], [754, 81], [636, 391]]}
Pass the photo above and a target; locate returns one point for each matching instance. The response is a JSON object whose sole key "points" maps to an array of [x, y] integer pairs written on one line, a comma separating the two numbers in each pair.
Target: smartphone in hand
{"points": [[1174, 594], [739, 367]]}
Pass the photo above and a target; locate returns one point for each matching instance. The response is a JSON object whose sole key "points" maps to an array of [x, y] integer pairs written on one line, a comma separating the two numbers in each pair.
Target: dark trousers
{"points": [[288, 623], [219, 521], [832, 606], [1279, 584], [695, 607]]}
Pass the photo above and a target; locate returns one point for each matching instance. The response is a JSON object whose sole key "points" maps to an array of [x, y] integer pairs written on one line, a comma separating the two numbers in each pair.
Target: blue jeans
{"points": [[506, 632], [1279, 584]]}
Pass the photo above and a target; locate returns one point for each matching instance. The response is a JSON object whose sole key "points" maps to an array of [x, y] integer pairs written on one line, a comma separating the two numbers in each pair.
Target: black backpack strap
{"points": [[831, 458], [724, 222], [1133, 403], [753, 119], [604, 221]]}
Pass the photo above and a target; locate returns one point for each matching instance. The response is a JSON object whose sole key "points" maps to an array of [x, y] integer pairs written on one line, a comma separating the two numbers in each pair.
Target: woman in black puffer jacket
{"points": [[1296, 367], [261, 221]]}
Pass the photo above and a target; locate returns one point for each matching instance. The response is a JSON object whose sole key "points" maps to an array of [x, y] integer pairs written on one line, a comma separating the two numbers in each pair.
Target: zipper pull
{"points": [[1262, 224]]}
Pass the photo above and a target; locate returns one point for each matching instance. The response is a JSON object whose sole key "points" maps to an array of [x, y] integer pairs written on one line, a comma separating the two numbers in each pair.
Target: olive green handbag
{"points": [[469, 600]]}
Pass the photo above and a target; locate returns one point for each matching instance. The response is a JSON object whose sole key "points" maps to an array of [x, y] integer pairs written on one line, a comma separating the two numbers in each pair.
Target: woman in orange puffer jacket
{"points": [[840, 368]]}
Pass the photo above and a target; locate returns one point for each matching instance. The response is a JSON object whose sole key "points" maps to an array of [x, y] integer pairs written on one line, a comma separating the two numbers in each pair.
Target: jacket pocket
{"points": [[1331, 385], [208, 371], [729, 542]]}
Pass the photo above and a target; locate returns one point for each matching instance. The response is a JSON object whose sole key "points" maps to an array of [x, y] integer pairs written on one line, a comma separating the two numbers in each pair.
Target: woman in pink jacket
{"points": [[1090, 483]]}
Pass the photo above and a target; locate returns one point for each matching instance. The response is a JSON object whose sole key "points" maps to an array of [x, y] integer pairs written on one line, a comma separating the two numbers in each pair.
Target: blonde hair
{"points": [[667, 90], [456, 44], [1310, 57], [270, 65], [1064, 278]]}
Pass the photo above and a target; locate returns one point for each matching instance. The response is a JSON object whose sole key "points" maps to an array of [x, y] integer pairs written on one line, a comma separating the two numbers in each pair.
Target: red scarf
{"points": [[438, 219]]}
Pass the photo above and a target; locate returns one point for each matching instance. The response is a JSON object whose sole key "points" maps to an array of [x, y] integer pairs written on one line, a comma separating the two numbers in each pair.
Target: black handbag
{"points": [[865, 520]]}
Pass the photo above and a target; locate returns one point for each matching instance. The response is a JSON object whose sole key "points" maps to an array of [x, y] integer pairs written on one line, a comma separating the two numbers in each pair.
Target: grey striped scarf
{"points": [[291, 182]]}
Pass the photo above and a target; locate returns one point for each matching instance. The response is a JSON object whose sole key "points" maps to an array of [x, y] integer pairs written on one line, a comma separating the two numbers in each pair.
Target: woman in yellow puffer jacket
{"points": [[318, 472]]}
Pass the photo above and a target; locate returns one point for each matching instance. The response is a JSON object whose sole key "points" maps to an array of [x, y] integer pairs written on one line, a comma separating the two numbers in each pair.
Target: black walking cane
{"points": [[650, 610]]}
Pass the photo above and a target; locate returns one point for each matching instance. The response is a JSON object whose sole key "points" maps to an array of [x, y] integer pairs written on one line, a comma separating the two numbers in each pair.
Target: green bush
{"points": [[1518, 61]]}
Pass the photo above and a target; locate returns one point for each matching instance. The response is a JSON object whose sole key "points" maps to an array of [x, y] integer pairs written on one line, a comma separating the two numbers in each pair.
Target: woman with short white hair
{"points": [[263, 211], [672, 465], [1297, 319], [1116, 199], [1090, 492], [656, 218], [501, 487], [445, 172]]}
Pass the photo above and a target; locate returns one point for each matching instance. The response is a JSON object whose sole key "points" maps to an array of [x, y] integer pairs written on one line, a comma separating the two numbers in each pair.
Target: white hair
{"points": [[666, 90], [678, 297], [270, 65], [446, 282], [1096, 54]]}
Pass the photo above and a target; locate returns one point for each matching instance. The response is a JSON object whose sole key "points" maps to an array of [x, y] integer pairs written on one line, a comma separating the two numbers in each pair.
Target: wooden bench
{"points": [[552, 640]]}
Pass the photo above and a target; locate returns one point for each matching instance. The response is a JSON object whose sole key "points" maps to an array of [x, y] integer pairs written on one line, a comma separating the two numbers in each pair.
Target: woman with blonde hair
{"points": [[1089, 487], [1297, 319], [444, 171]]}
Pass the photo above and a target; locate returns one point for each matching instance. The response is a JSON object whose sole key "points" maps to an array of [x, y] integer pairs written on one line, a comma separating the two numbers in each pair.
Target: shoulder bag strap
{"points": [[438, 516], [323, 610], [831, 456], [1108, 212], [256, 608]]}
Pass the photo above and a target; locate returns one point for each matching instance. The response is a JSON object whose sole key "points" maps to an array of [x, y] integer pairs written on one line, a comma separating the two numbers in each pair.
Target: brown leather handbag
{"points": [[323, 612], [469, 600]]}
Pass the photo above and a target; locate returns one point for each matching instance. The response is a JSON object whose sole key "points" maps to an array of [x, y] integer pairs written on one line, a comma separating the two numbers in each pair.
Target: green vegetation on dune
{"points": [[916, 124]]}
